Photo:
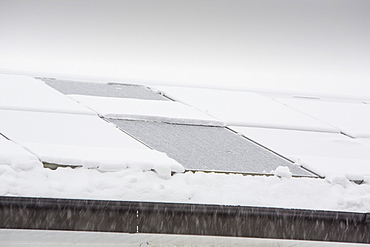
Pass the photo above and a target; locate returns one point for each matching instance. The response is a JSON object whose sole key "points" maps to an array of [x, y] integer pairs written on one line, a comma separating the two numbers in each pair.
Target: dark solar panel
{"points": [[105, 90], [206, 148]]}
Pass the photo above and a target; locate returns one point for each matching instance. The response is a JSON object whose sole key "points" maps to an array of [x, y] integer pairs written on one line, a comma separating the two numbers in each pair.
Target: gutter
{"points": [[183, 219]]}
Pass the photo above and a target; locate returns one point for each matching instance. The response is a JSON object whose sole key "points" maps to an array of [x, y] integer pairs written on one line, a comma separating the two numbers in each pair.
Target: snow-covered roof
{"points": [[128, 145], [121, 142]]}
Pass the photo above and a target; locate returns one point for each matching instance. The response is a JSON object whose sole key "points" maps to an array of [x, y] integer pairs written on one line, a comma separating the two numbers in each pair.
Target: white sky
{"points": [[315, 46]]}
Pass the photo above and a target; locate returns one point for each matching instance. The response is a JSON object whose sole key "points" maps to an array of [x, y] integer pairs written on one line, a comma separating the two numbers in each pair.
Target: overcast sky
{"points": [[312, 45]]}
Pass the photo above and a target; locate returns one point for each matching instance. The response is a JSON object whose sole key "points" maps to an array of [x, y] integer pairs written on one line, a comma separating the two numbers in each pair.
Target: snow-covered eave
{"points": [[184, 219]]}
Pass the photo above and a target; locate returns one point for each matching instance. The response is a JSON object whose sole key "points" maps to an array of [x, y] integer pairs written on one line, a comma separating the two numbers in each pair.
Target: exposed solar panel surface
{"points": [[101, 89], [206, 148]]}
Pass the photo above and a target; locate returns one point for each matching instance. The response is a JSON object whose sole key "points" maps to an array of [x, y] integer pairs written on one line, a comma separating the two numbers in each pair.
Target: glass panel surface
{"points": [[206, 148], [101, 89]]}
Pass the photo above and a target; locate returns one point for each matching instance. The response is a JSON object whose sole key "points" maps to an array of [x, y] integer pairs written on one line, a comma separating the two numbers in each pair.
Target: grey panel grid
{"points": [[101, 89], [206, 148]]}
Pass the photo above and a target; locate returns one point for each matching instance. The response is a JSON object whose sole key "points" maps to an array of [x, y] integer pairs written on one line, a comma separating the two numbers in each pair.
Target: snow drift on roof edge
{"points": [[106, 159], [16, 157]]}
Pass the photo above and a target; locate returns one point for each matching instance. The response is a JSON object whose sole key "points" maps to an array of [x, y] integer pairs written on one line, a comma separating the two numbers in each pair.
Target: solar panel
{"points": [[206, 148], [240, 108], [101, 89], [139, 109], [27, 127], [320, 152], [28, 94], [307, 143], [350, 118]]}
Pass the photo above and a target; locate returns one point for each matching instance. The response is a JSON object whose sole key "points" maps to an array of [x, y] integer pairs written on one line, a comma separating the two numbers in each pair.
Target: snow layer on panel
{"points": [[353, 119], [343, 154], [63, 129], [294, 142], [165, 111], [16, 157], [103, 89], [106, 159], [245, 109], [28, 94]]}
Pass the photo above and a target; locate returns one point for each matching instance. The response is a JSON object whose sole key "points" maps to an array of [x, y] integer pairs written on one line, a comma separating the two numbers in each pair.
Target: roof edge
{"points": [[181, 218]]}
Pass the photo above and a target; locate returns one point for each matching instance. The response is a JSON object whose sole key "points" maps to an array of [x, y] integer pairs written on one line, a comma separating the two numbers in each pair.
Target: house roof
{"points": [[124, 142]]}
